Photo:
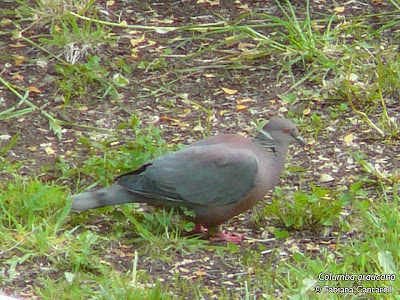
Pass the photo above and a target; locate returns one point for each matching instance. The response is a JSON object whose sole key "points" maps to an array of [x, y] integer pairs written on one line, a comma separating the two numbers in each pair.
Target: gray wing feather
{"points": [[211, 175]]}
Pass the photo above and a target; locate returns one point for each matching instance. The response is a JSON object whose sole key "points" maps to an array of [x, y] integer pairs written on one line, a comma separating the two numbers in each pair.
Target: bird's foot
{"points": [[221, 236], [198, 229], [216, 235]]}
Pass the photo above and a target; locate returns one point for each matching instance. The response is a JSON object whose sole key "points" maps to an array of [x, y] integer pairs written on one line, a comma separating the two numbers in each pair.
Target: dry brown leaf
{"points": [[229, 91], [17, 76], [33, 89]]}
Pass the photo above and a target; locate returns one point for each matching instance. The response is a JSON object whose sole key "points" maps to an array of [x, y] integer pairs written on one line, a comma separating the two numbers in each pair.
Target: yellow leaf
{"points": [[241, 107], [306, 112], [123, 23], [110, 3], [134, 54], [244, 7], [137, 42], [57, 28], [229, 91], [339, 9], [245, 100], [19, 60], [200, 273], [198, 128], [49, 151], [209, 75], [348, 138], [5, 22], [223, 112]]}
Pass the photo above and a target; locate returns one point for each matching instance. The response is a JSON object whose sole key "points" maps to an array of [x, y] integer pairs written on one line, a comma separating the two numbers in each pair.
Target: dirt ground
{"points": [[173, 98]]}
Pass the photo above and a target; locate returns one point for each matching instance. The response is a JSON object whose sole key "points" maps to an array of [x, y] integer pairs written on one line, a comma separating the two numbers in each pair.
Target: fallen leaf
{"points": [[349, 138], [209, 75], [198, 128], [339, 9], [137, 42], [19, 60], [17, 76], [241, 107], [200, 273], [245, 100], [17, 45], [49, 151], [33, 89], [312, 247], [244, 7], [110, 3], [229, 91], [326, 178]]}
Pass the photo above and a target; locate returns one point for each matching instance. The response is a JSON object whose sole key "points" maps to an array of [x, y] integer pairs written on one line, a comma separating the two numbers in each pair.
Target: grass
{"points": [[335, 75]]}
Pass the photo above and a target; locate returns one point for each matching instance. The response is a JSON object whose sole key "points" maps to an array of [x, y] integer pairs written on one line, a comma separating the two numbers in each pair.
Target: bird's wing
{"points": [[211, 175]]}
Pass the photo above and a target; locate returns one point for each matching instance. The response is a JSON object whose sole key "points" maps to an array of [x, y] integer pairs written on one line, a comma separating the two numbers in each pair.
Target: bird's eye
{"points": [[285, 131]]}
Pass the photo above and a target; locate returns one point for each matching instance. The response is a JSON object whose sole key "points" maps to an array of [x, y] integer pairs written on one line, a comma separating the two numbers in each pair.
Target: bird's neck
{"points": [[270, 147]]}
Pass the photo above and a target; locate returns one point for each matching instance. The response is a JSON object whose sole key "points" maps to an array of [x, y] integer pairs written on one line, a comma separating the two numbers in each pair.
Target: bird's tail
{"points": [[112, 195]]}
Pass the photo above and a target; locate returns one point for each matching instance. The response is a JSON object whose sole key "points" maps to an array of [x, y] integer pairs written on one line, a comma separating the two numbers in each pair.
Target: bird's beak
{"points": [[300, 140]]}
